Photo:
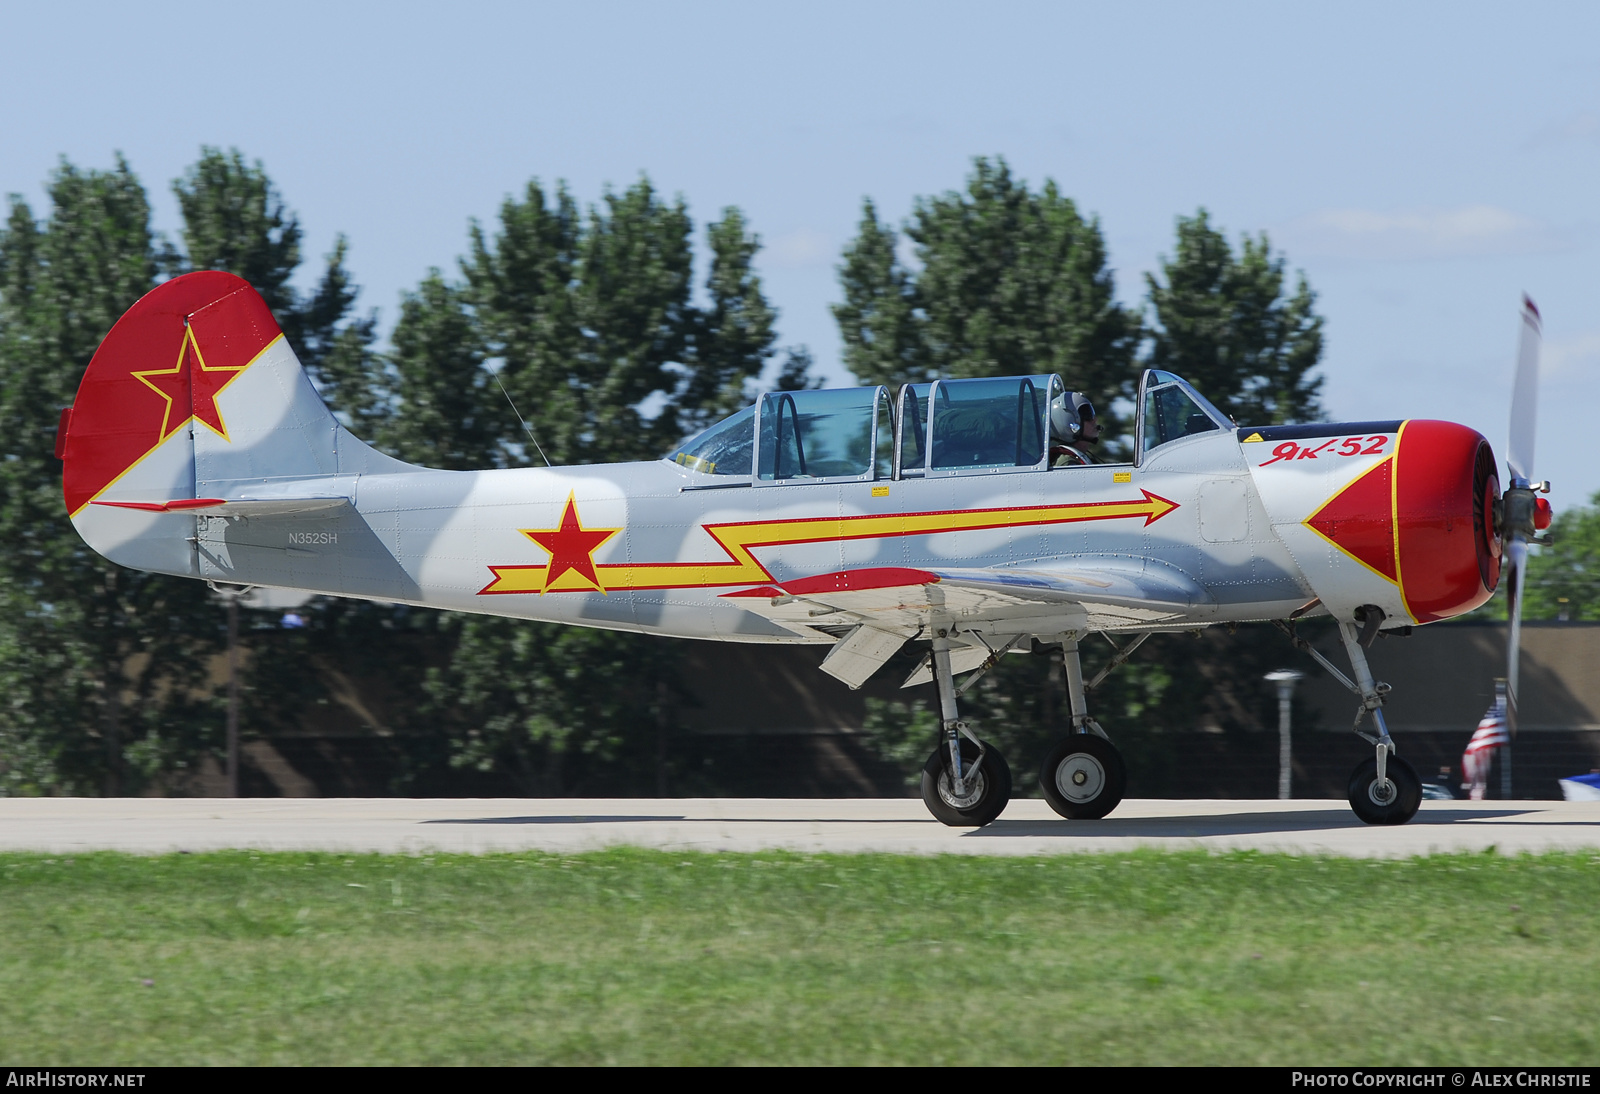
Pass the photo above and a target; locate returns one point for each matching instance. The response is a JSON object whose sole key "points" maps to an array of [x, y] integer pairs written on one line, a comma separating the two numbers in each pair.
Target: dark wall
{"points": [[762, 721]]}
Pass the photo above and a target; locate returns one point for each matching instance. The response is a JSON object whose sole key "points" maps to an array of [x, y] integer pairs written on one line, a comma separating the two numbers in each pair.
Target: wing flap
{"points": [[862, 652]]}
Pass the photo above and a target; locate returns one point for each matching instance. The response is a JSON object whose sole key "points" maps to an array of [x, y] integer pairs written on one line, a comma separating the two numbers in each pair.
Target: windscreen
{"points": [[1169, 413], [724, 449]]}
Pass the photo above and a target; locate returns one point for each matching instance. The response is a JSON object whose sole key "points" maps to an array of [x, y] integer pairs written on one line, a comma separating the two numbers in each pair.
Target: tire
{"points": [[1083, 777], [1370, 802], [992, 794]]}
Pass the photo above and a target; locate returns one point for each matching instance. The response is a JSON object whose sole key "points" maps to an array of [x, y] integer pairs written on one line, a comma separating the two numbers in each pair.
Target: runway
{"points": [[1028, 827]]}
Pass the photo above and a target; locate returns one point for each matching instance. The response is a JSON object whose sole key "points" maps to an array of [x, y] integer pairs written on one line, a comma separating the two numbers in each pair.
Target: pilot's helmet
{"points": [[1069, 412]]}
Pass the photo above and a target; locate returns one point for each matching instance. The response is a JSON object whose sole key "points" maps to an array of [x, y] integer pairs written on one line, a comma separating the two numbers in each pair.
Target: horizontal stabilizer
{"points": [[235, 507]]}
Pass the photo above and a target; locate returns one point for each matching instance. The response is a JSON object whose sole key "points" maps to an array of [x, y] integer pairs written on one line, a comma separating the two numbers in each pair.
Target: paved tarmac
{"points": [[1028, 827]]}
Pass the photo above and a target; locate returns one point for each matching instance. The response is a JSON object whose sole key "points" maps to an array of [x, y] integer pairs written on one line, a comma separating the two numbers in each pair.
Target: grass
{"points": [[645, 957]]}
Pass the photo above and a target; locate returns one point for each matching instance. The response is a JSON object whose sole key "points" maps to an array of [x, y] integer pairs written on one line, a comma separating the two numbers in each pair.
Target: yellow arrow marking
{"points": [[738, 540]]}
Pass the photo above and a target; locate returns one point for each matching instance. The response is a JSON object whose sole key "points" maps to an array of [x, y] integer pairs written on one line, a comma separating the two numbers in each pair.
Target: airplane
{"points": [[860, 518]]}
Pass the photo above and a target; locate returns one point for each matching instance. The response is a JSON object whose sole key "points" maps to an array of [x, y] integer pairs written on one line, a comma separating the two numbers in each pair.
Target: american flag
{"points": [[1491, 732], [1490, 735]]}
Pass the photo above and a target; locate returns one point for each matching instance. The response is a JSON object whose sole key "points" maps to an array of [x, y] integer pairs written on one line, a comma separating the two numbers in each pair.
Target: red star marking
{"points": [[571, 547], [190, 391]]}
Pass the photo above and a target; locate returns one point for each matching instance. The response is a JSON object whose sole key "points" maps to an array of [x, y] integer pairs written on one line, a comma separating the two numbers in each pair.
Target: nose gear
{"points": [[1384, 789]]}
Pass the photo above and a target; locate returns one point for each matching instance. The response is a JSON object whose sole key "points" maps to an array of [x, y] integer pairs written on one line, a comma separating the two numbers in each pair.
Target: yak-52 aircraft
{"points": [[863, 519]]}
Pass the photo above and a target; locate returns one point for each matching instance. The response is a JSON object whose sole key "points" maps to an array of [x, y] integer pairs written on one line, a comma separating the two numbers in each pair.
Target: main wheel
{"points": [[1393, 801], [1083, 777], [987, 793]]}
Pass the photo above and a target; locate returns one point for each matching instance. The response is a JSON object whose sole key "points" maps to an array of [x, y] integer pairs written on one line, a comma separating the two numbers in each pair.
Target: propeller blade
{"points": [[1525, 396], [1519, 502], [1517, 555]]}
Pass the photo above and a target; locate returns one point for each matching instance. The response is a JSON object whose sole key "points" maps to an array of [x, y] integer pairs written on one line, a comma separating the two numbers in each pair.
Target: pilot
{"points": [[1073, 430]]}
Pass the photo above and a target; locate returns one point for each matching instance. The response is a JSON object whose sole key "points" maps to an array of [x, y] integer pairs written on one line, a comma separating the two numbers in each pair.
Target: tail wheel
{"points": [[987, 792], [1394, 800], [1083, 777]]}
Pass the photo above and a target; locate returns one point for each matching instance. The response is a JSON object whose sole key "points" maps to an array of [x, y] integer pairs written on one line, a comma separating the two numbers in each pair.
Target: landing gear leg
{"points": [[1384, 789], [965, 783], [1083, 777]]}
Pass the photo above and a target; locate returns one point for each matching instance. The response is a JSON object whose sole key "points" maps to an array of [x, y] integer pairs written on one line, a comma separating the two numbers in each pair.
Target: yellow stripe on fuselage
{"points": [[740, 540]]}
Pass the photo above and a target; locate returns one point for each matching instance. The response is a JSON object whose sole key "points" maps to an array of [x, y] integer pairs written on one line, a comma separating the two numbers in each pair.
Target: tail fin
{"points": [[195, 395]]}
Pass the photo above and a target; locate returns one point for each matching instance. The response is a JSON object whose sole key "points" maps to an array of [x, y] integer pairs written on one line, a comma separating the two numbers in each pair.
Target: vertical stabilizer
{"points": [[194, 394]]}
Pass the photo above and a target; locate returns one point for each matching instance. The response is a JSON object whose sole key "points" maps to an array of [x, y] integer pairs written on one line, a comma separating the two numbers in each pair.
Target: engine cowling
{"points": [[1401, 515], [1447, 546]]}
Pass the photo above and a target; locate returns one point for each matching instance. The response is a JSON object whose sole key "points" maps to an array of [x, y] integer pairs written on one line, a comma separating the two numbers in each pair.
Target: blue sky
{"points": [[1424, 164]]}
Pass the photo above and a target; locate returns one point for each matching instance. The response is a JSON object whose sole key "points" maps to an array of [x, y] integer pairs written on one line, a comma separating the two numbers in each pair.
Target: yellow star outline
{"points": [[571, 548], [202, 395]]}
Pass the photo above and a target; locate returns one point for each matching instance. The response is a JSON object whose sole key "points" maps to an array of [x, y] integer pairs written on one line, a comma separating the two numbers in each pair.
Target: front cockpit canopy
{"points": [[1170, 409]]}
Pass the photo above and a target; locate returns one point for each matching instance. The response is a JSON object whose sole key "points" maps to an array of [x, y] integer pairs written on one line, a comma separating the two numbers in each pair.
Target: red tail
{"points": [[161, 368]]}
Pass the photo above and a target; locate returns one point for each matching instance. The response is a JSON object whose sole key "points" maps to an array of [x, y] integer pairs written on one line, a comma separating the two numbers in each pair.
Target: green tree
{"points": [[733, 336], [1011, 282], [1564, 578], [520, 287], [584, 318], [632, 299], [104, 666], [234, 219], [880, 319], [448, 412], [1224, 323]]}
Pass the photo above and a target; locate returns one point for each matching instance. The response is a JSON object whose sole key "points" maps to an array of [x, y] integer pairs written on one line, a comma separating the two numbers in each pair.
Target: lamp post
{"points": [[1285, 679]]}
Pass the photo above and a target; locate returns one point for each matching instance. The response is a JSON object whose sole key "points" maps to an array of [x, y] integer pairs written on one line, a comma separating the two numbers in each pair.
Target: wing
{"points": [[873, 612]]}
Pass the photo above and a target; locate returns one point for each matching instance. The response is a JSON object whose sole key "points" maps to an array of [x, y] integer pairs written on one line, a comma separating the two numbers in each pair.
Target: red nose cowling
{"points": [[1445, 491]]}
